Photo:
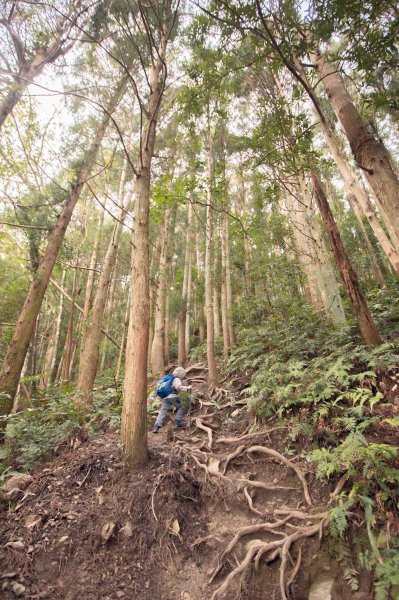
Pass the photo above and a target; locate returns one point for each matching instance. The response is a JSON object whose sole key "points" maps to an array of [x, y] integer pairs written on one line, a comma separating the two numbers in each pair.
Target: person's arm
{"points": [[177, 384]]}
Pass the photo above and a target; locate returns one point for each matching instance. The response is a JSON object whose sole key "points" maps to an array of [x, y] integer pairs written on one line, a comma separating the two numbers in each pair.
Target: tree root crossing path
{"points": [[220, 512]]}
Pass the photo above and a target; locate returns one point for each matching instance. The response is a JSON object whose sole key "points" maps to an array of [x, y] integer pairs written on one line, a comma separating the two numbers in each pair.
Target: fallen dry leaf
{"points": [[32, 521], [63, 539], [107, 530], [175, 527], [17, 545], [127, 529]]}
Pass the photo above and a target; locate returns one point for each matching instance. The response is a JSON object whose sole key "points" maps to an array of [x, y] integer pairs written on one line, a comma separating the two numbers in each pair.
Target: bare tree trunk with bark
{"points": [[158, 342], [225, 321], [134, 413], [67, 356], [182, 315], [357, 195], [216, 298], [369, 152], [123, 340], [210, 328], [229, 287], [51, 355], [92, 269], [365, 321], [189, 308]]}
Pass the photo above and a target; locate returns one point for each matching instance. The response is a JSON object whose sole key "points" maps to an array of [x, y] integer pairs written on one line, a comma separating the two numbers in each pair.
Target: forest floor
{"points": [[191, 525]]}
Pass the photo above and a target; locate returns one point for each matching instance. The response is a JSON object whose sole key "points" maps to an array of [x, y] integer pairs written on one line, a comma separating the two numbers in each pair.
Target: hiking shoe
{"points": [[179, 425], [155, 429]]}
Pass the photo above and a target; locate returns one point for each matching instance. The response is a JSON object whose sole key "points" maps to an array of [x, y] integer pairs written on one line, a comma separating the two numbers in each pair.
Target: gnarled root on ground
{"points": [[232, 456], [208, 430], [256, 549], [246, 436], [197, 367], [288, 463], [251, 504], [245, 483]]}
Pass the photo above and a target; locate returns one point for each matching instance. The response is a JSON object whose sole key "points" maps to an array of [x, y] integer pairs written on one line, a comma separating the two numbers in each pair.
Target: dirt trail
{"points": [[210, 505]]}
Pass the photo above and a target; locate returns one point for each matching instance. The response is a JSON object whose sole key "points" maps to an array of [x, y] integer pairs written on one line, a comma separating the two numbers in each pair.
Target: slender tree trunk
{"points": [[51, 355], [210, 329], [91, 341], [92, 270], [229, 288], [369, 152], [134, 413], [188, 307], [158, 342], [122, 348], [109, 307], [366, 323], [166, 329], [201, 325], [19, 344], [66, 363], [324, 274], [216, 309], [156, 250], [247, 266], [225, 321], [182, 315], [304, 242]]}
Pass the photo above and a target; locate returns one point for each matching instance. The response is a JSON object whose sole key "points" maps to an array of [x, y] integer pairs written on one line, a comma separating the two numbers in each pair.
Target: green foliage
{"points": [[298, 361], [386, 571], [53, 420]]}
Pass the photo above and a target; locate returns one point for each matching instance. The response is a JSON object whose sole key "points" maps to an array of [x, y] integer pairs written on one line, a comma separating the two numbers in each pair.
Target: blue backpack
{"points": [[165, 387]]}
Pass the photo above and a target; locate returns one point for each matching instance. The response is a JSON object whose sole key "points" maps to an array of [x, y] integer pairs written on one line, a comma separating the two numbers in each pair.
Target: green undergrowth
{"points": [[338, 398], [51, 422]]}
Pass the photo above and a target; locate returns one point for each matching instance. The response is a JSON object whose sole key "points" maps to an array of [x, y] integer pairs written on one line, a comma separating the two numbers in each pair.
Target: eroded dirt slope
{"points": [[214, 505]]}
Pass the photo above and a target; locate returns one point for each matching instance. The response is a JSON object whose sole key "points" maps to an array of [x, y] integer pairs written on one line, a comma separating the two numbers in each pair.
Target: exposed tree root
{"points": [[296, 514], [205, 540], [288, 463], [246, 436], [242, 483], [208, 430], [295, 570], [251, 504], [197, 367], [232, 456], [255, 549], [212, 472]]}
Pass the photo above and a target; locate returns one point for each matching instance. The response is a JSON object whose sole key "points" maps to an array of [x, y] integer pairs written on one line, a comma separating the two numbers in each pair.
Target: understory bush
{"points": [[337, 397], [52, 421]]}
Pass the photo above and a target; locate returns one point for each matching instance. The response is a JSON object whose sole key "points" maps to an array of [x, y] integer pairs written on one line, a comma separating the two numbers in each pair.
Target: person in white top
{"points": [[173, 386]]}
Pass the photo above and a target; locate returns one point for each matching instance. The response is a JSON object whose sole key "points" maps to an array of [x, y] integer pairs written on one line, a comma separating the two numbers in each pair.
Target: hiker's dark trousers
{"points": [[166, 405]]}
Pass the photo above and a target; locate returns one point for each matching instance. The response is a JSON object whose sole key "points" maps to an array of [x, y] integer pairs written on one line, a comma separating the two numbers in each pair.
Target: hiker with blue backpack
{"points": [[168, 390]]}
